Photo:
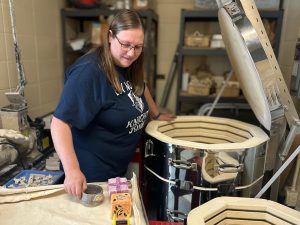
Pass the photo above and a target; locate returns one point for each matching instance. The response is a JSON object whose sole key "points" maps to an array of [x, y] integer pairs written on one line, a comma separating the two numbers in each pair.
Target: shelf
{"points": [[198, 14], [203, 51], [104, 11], [210, 17], [210, 98], [80, 13], [201, 15]]}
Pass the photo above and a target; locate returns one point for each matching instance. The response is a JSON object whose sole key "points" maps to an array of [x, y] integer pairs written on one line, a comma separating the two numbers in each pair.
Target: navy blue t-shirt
{"points": [[106, 126]]}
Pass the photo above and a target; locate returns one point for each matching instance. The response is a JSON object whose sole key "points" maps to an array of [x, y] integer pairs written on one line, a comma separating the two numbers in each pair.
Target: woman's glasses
{"points": [[128, 47]]}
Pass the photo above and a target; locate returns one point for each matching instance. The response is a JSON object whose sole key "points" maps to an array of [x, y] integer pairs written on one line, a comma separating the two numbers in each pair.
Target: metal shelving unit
{"points": [[78, 16], [210, 16]]}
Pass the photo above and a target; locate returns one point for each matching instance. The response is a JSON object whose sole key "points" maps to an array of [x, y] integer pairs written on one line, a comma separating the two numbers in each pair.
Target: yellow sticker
{"points": [[97, 198], [45, 142]]}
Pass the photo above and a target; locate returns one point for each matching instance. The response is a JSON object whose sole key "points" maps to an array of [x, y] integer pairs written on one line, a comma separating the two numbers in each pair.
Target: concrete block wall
{"points": [[168, 38], [39, 37], [289, 35]]}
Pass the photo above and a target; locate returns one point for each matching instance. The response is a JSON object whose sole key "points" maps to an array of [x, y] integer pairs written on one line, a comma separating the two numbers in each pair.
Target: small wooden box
{"points": [[197, 40], [198, 90], [231, 90], [120, 205]]}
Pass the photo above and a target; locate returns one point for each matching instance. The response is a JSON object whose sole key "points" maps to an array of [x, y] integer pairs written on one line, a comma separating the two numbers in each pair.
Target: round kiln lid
{"points": [[244, 65]]}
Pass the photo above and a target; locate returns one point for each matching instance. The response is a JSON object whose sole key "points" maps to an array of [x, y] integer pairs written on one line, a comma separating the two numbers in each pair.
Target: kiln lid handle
{"points": [[230, 168], [182, 164]]}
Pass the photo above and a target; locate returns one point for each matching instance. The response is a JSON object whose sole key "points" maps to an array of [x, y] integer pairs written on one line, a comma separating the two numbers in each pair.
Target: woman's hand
{"points": [[154, 111], [166, 117], [75, 183]]}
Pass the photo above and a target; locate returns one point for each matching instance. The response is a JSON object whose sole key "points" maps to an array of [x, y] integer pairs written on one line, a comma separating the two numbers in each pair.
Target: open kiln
{"points": [[194, 158]]}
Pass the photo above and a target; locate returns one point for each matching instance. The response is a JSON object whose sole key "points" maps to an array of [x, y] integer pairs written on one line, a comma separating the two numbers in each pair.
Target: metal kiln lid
{"points": [[242, 42]]}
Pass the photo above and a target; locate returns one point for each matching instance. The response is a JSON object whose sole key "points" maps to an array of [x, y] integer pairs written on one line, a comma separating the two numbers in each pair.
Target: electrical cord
{"points": [[203, 188]]}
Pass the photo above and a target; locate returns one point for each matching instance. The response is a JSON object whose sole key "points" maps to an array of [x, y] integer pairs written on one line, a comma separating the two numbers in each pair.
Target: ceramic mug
{"points": [[92, 196]]}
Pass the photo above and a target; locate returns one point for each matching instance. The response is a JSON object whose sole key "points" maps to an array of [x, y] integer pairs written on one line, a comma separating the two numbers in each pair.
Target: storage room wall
{"points": [[289, 35], [168, 38], [39, 36]]}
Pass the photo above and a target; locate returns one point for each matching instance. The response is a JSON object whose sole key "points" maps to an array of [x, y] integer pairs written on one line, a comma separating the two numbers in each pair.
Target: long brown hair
{"points": [[123, 20]]}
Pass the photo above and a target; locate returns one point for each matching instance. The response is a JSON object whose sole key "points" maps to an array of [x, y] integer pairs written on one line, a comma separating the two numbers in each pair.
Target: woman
{"points": [[104, 107]]}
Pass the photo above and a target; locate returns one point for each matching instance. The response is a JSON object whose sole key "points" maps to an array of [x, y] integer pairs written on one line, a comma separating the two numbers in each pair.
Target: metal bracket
{"points": [[170, 214], [295, 129], [184, 185], [182, 164], [230, 168], [149, 148], [234, 10]]}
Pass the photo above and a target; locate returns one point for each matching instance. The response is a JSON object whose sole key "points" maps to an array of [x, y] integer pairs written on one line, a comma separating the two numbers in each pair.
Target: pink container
{"points": [[117, 185]]}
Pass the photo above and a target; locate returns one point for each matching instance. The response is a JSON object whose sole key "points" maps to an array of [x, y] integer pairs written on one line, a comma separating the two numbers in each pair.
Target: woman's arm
{"points": [[154, 111], [75, 181]]}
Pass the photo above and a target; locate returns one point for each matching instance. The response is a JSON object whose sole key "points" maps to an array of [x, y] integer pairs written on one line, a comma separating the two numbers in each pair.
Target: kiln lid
{"points": [[248, 60]]}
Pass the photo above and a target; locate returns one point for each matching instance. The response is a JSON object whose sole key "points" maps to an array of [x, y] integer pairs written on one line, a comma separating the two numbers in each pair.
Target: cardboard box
{"points": [[198, 90], [117, 185], [197, 40], [141, 4], [120, 205], [232, 89]]}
